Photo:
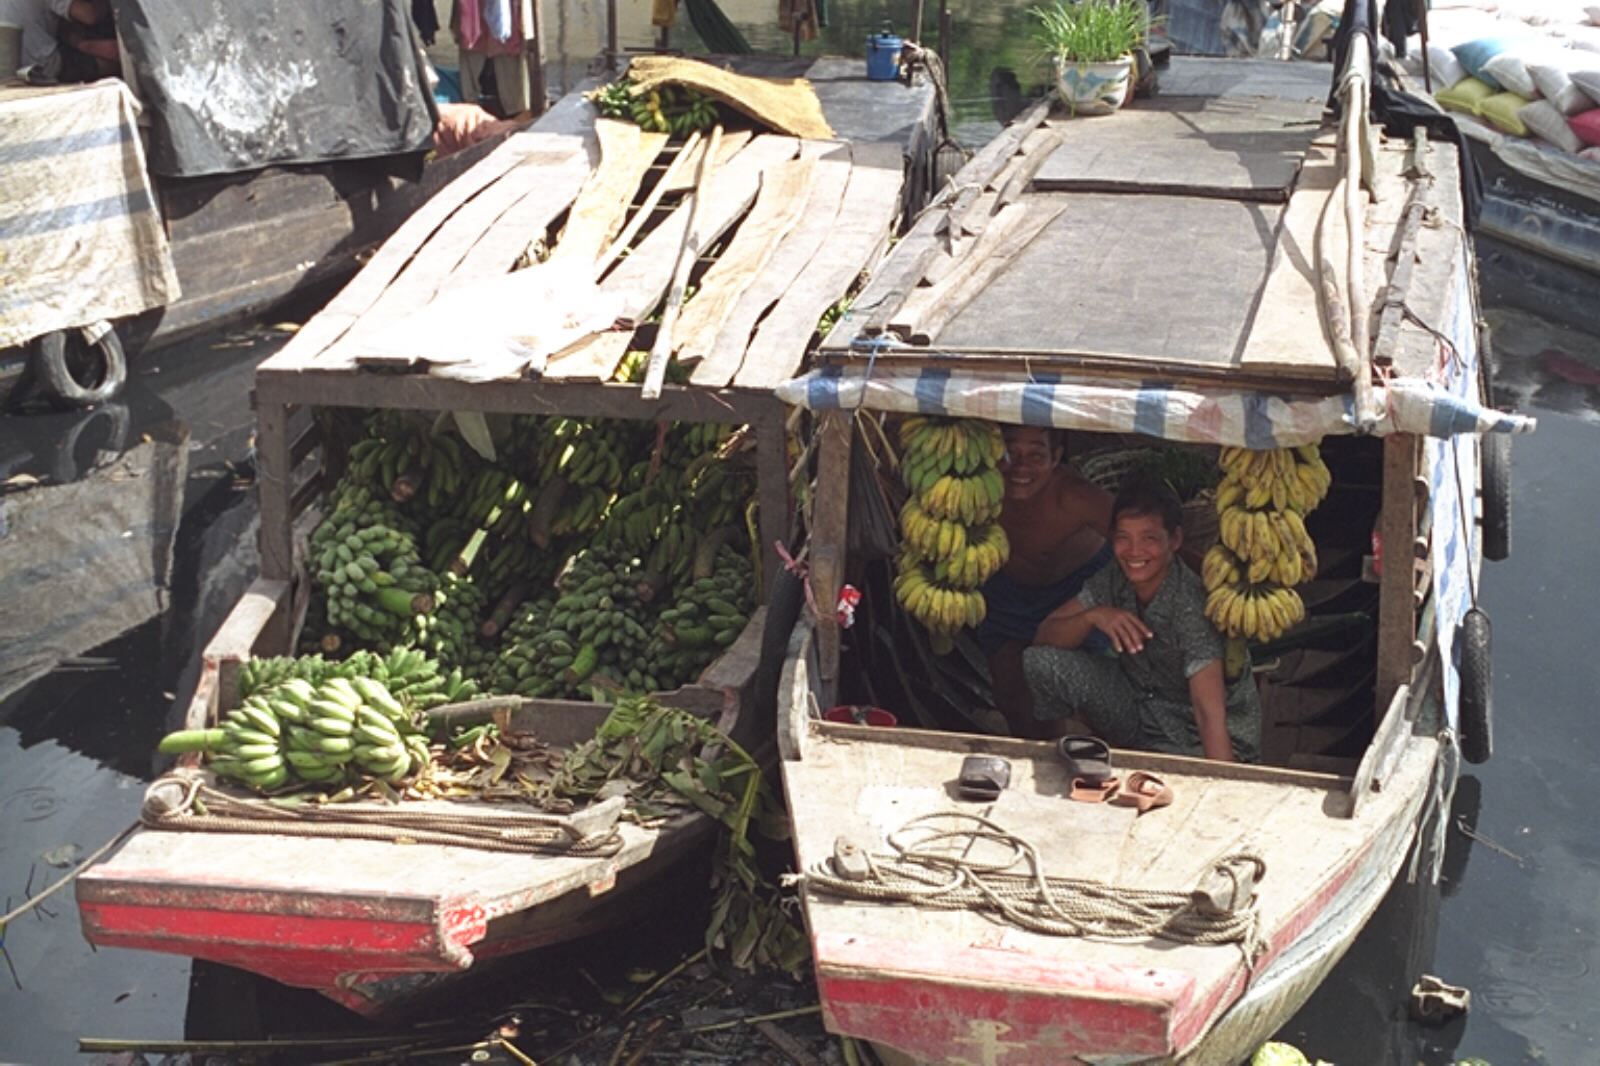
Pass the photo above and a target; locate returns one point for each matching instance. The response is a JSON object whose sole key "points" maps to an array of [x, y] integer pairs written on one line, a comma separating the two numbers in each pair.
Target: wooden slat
{"points": [[938, 304], [870, 206], [959, 238], [804, 241], [626, 153], [1397, 622], [917, 248], [785, 189], [594, 358], [655, 371], [1286, 331], [1392, 733], [439, 257], [682, 180], [368, 285], [957, 268], [521, 225], [641, 278], [836, 436]]}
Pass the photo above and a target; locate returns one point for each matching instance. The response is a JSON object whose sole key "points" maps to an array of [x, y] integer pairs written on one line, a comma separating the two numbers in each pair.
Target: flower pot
{"points": [[1093, 88]]}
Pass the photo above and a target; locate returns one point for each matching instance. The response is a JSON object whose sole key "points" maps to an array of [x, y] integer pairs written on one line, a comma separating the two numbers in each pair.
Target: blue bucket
{"points": [[883, 55]]}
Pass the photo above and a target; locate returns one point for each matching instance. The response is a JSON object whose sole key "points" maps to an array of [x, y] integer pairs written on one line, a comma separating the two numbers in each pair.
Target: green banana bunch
{"points": [[704, 617], [366, 563]]}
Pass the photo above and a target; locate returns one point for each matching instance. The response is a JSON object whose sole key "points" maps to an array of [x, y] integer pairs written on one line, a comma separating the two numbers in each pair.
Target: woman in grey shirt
{"points": [[1163, 689]]}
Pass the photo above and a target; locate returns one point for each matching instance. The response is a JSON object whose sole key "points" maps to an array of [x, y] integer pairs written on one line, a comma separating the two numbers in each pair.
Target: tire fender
{"points": [[1476, 704], [1495, 460], [53, 370]]}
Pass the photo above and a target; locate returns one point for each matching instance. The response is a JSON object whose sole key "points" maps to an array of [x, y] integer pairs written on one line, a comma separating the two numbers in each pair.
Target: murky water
{"points": [[108, 597]]}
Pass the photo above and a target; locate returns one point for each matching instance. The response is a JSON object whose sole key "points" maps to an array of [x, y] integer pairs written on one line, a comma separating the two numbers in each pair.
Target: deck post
{"points": [[1397, 524], [830, 515], [274, 469], [772, 493]]}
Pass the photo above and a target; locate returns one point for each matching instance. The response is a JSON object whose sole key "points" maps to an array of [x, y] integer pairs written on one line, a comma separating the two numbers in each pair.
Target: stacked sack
{"points": [[1538, 76], [951, 539]]}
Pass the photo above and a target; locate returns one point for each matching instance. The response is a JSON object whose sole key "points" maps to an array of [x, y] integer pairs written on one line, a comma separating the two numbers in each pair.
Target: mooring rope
{"points": [[925, 872], [206, 809]]}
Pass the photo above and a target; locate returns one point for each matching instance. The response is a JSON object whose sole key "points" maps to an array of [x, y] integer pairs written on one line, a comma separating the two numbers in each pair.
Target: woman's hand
{"points": [[1126, 630]]}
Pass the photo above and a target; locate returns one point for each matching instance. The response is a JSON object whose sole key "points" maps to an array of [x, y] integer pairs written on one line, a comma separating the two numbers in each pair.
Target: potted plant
{"points": [[1091, 44]]}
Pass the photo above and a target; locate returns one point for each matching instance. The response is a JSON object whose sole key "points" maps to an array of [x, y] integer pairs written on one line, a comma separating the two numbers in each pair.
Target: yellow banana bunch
{"points": [[961, 444], [939, 608], [1220, 567], [1254, 612], [969, 500]]}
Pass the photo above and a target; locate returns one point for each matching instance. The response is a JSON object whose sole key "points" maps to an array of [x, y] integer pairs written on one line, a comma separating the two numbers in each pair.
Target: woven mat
{"points": [[788, 105]]}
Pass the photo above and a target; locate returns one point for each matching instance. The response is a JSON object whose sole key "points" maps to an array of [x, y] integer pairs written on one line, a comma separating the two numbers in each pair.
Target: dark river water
{"points": [[107, 594]]}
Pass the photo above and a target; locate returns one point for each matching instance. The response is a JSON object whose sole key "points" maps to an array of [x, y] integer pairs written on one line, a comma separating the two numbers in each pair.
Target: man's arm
{"points": [[1069, 625], [1209, 696]]}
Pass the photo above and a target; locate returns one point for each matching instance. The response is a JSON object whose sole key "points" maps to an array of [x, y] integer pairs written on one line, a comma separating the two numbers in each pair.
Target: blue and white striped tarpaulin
{"points": [[1174, 412], [80, 236]]}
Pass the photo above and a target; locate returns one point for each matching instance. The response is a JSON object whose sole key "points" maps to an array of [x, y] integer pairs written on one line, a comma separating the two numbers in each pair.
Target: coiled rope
{"points": [[927, 872], [200, 807]]}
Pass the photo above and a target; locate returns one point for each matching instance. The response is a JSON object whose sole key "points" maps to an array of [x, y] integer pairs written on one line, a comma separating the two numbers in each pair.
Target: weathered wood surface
{"points": [[682, 179], [861, 232], [689, 250], [882, 294], [928, 309], [641, 279], [1238, 149], [626, 154], [369, 285], [1322, 866], [785, 189], [829, 180], [1286, 332], [1089, 282]]}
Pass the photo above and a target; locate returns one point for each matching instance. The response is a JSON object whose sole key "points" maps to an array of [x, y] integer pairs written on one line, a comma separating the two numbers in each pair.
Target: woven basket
{"points": [[1107, 470]]}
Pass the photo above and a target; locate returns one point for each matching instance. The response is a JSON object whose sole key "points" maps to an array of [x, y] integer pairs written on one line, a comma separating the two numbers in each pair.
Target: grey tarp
{"points": [[234, 86]]}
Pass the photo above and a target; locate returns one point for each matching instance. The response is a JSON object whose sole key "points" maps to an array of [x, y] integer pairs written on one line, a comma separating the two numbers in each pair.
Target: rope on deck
{"points": [[927, 871], [204, 808]]}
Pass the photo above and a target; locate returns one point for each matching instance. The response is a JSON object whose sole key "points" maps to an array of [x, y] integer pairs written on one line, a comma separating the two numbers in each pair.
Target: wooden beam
{"points": [[1387, 741], [1397, 622], [772, 492], [274, 468], [655, 371], [830, 518]]}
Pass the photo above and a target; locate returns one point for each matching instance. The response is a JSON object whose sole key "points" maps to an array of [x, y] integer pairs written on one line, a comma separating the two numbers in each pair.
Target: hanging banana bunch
{"points": [[951, 540], [1263, 549]]}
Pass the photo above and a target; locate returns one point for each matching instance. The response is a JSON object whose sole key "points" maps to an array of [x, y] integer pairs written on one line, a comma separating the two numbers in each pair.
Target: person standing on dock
{"points": [[1164, 690], [1057, 522]]}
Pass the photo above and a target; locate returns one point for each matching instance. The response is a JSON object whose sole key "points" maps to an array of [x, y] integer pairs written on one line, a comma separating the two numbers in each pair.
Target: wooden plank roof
{"points": [[788, 225]]}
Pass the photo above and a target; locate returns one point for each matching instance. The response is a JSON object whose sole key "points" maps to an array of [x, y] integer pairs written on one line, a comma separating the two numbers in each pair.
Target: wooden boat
{"points": [[1157, 273], [371, 924]]}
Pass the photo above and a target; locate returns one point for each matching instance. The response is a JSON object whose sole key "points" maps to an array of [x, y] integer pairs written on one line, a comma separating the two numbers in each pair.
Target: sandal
{"points": [[983, 777], [1144, 792], [1088, 758], [1086, 791]]}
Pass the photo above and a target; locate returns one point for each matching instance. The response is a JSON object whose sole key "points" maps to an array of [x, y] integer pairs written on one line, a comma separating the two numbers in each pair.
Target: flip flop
{"points": [[1088, 758], [1144, 792], [1086, 791], [983, 777]]}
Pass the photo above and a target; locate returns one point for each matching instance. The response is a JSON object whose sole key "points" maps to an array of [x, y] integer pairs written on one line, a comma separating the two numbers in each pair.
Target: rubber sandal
{"points": [[1144, 792], [1086, 791], [1087, 757], [983, 777]]}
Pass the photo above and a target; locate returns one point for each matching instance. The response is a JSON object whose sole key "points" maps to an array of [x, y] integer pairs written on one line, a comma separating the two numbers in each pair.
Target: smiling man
{"points": [[1165, 689], [1057, 523]]}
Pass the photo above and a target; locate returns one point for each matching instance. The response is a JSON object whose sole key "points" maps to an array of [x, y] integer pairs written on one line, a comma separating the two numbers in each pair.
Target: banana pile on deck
{"points": [[951, 540], [1264, 549], [314, 721], [588, 559]]}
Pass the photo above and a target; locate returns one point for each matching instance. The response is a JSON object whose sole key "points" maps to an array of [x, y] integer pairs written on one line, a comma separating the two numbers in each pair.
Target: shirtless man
{"points": [[1057, 523]]}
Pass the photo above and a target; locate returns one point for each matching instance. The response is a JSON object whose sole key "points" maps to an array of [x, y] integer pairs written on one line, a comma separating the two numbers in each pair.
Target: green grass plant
{"points": [[1089, 31]]}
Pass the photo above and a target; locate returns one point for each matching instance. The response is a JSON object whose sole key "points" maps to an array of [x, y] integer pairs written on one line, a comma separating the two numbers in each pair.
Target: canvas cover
{"points": [[234, 87]]}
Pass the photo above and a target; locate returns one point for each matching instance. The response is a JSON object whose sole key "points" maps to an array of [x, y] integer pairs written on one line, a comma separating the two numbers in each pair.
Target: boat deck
{"points": [[1060, 995]]}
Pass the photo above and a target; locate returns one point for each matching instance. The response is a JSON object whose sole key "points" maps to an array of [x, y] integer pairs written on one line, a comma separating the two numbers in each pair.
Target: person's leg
{"points": [[1068, 683], [1011, 694]]}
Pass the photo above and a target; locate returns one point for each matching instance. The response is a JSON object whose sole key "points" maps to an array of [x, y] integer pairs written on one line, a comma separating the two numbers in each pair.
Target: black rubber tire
{"points": [[1476, 705], [1495, 461], [102, 430], [59, 358]]}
